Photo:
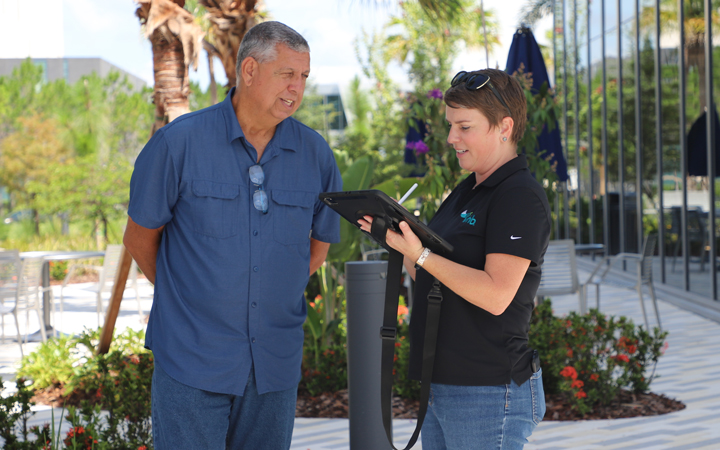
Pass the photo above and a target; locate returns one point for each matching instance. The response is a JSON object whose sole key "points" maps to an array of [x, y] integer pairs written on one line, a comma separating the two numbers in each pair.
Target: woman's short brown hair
{"points": [[484, 100]]}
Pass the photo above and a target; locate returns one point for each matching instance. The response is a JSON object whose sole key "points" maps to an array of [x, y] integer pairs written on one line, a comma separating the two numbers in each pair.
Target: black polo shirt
{"points": [[507, 213]]}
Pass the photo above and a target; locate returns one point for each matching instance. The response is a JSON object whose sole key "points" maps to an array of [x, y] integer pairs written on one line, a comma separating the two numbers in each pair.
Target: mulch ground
{"points": [[335, 405]]}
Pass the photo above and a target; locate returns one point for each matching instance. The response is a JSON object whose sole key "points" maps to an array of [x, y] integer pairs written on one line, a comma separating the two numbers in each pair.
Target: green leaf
{"points": [[358, 175]]}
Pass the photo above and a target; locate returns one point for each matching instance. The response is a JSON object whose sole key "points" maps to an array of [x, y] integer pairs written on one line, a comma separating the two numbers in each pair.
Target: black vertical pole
{"points": [[711, 111], [683, 147], [659, 144], [576, 128], [591, 171], [566, 150], [638, 133], [365, 290], [621, 133], [606, 202]]}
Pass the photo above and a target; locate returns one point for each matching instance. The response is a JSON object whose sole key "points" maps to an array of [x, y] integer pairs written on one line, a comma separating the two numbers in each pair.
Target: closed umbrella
{"points": [[526, 51]]}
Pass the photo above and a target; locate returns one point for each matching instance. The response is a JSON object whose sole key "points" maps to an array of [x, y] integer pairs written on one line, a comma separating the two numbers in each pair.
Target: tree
{"points": [[176, 42], [89, 188], [430, 46], [25, 156], [229, 21]]}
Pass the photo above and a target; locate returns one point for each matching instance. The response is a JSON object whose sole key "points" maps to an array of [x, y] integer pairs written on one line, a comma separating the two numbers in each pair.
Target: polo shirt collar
{"points": [[283, 137], [516, 164]]}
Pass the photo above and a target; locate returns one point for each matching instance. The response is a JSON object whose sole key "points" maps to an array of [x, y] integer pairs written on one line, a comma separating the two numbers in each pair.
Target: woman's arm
{"points": [[492, 289]]}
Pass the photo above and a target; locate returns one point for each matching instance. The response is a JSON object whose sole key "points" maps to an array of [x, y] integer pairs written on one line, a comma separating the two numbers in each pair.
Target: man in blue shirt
{"points": [[225, 221]]}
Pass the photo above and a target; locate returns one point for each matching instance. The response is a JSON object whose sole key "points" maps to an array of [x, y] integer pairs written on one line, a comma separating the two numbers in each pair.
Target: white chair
{"points": [[9, 272], [27, 294], [106, 279], [10, 265], [559, 272], [644, 274]]}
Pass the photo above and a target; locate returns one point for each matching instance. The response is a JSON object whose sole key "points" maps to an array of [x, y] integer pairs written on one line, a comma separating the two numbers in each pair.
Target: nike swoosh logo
{"points": [[515, 237]]}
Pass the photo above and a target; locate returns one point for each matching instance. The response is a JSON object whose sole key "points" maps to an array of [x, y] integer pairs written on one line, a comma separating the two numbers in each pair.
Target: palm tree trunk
{"points": [[176, 41], [171, 90], [696, 57]]}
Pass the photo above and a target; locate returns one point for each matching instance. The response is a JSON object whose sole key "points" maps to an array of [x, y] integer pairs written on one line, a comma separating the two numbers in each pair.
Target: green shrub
{"points": [[112, 390], [590, 358], [51, 363], [403, 386]]}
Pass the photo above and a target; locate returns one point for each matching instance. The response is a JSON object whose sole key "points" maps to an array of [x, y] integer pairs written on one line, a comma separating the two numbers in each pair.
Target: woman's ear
{"points": [[506, 126]]}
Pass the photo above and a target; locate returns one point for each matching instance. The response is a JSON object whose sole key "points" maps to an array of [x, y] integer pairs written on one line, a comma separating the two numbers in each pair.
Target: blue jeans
{"points": [[483, 417], [187, 418]]}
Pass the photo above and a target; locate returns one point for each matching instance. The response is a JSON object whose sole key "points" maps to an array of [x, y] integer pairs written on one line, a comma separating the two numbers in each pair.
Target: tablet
{"points": [[353, 205]]}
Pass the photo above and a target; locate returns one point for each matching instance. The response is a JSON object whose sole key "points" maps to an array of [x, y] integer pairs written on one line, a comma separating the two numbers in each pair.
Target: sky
{"points": [[110, 30]]}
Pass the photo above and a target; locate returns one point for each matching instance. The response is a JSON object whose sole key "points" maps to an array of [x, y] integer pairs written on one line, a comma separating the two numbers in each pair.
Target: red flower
{"points": [[594, 377], [142, 447], [631, 349], [402, 312], [577, 384], [569, 353], [623, 358], [580, 394], [569, 372], [623, 342]]}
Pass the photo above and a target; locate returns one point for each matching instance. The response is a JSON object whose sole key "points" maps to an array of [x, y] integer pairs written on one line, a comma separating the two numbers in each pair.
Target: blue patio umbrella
{"points": [[697, 161], [526, 51]]}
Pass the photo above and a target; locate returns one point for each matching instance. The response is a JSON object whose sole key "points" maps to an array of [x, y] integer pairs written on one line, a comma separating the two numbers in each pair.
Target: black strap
{"points": [[388, 334]]}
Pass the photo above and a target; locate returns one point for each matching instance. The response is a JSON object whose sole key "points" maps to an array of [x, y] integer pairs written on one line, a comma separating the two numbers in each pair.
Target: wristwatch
{"points": [[422, 258]]}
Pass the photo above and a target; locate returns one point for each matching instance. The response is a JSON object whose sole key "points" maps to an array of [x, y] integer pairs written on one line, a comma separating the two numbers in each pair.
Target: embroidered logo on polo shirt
{"points": [[468, 217], [515, 237]]}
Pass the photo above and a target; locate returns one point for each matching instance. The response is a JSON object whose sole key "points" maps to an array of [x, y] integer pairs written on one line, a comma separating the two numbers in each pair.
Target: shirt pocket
{"points": [[215, 208], [293, 218]]}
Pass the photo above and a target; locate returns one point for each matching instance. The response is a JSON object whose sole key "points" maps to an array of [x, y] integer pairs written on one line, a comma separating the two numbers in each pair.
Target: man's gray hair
{"points": [[260, 41]]}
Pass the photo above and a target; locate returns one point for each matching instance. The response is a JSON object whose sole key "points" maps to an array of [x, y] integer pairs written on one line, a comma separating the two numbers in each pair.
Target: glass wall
{"points": [[634, 79]]}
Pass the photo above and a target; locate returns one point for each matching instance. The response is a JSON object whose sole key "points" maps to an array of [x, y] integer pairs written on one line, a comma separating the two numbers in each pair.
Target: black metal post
{"points": [[365, 290]]}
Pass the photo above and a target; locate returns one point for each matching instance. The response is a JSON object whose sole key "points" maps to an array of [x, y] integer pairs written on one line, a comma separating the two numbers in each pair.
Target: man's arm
{"points": [[318, 253], [143, 244]]}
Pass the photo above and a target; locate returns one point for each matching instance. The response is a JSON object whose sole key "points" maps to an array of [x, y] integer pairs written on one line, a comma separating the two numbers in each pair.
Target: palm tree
{"points": [[432, 44], [176, 41], [229, 21]]}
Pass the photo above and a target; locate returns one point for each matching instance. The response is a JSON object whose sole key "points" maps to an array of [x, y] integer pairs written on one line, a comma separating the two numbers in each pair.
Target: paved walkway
{"points": [[688, 372]]}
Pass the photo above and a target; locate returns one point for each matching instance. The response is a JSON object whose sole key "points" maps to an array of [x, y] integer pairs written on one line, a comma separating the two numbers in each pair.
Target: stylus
{"points": [[407, 194]]}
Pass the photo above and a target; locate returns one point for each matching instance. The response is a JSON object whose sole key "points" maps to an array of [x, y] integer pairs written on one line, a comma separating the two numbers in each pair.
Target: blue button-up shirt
{"points": [[230, 279]]}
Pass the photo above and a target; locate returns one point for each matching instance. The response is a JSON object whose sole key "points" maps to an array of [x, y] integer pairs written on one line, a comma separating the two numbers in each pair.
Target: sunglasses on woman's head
{"points": [[476, 81]]}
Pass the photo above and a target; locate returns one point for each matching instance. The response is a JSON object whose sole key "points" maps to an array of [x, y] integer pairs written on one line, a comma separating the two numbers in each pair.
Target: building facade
{"points": [[636, 81]]}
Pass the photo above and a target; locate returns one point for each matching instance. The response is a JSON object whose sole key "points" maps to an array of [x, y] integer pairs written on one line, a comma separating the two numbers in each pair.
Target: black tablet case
{"points": [[353, 205]]}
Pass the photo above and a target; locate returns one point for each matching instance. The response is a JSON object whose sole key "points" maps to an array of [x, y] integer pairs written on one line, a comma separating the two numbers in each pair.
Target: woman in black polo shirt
{"points": [[486, 390]]}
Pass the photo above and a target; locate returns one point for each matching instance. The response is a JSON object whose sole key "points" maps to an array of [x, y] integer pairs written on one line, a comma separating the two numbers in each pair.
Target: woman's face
{"points": [[478, 146]]}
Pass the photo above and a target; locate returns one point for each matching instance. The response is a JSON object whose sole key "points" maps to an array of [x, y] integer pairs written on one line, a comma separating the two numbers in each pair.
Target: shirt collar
{"points": [[283, 137], [504, 171], [231, 122]]}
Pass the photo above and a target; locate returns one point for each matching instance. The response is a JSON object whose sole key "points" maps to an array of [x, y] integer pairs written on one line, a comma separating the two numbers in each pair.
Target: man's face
{"points": [[279, 85]]}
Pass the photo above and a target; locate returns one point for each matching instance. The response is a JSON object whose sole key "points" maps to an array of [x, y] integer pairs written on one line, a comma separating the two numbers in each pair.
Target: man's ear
{"points": [[248, 70]]}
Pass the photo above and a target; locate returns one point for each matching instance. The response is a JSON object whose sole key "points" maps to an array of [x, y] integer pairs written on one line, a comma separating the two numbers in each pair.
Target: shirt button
{"points": [[256, 268], [255, 232], [253, 304], [252, 340]]}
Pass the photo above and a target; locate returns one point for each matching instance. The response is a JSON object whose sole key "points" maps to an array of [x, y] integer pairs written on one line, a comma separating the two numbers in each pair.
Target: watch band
{"points": [[423, 257]]}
